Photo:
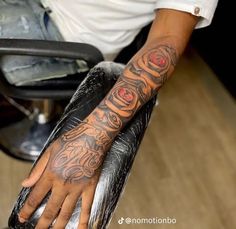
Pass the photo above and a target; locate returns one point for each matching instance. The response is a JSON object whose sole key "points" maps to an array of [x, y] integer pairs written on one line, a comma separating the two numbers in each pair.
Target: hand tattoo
{"points": [[80, 153], [82, 150]]}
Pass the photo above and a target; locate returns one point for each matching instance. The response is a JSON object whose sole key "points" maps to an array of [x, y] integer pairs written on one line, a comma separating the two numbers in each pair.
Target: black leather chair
{"points": [[118, 161], [25, 139], [31, 133]]}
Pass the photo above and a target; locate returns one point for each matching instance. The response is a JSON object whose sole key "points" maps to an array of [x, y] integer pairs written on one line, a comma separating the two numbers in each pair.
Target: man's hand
{"points": [[70, 169]]}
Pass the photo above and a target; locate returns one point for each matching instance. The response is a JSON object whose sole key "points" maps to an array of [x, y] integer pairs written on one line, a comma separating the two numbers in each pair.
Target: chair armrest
{"points": [[118, 161], [60, 49]]}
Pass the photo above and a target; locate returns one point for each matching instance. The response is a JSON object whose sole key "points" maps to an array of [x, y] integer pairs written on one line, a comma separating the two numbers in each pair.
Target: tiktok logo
{"points": [[121, 220]]}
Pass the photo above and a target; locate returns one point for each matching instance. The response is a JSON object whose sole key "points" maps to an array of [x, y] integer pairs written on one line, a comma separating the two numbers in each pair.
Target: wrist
{"points": [[104, 120]]}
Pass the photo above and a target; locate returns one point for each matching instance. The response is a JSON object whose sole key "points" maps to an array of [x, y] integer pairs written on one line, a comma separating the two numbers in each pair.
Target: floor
{"points": [[186, 167]]}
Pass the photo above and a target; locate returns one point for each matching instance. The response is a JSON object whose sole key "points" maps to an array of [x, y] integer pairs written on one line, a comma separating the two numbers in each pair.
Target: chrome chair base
{"points": [[25, 139]]}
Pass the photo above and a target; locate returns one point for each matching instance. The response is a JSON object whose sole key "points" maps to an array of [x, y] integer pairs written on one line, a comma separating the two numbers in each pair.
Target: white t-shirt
{"points": [[111, 25]]}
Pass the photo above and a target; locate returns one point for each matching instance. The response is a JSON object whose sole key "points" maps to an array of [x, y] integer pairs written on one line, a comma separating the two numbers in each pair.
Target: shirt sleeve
{"points": [[205, 9]]}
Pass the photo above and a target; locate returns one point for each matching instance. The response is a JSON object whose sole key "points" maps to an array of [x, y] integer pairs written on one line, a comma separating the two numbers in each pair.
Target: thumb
{"points": [[37, 171]]}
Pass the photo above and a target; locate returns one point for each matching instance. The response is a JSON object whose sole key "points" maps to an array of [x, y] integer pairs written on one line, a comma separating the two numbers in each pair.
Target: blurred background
{"points": [[216, 45], [186, 165]]}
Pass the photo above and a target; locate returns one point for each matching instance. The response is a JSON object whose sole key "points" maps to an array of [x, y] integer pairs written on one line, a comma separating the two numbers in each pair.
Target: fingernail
{"points": [[24, 182], [22, 220]]}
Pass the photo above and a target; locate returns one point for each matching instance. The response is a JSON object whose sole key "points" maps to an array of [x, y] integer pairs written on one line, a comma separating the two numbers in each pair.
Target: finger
{"points": [[37, 171], [34, 199], [53, 206], [66, 210], [87, 201]]}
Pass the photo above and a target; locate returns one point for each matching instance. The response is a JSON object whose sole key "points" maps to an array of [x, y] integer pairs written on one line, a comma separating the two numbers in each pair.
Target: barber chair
{"points": [[29, 138], [25, 139], [31, 133]]}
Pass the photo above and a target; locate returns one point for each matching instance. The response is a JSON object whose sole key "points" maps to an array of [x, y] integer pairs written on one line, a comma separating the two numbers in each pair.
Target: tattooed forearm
{"points": [[81, 150], [150, 71], [140, 81]]}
